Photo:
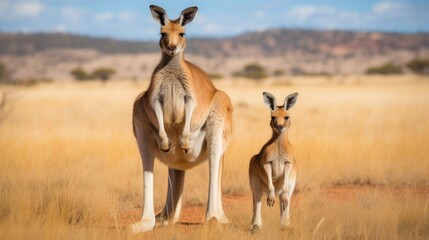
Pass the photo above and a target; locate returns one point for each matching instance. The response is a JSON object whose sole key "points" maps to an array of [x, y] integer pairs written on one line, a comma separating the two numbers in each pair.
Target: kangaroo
{"points": [[182, 120], [273, 170]]}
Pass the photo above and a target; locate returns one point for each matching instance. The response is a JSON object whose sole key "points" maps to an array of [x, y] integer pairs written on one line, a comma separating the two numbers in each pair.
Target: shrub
{"points": [[278, 73], [5, 74], [252, 71], [103, 74], [2, 71], [386, 69], [79, 74], [419, 66]]}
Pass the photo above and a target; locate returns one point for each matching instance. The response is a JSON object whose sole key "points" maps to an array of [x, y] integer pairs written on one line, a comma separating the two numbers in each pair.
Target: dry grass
{"points": [[70, 168]]}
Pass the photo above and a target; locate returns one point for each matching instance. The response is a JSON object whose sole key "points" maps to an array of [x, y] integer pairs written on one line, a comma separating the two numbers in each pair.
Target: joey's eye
{"points": [[181, 34], [273, 118], [287, 118], [163, 34]]}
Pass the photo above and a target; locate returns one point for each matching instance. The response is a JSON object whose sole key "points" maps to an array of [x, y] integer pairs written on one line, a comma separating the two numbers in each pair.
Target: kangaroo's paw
{"points": [[271, 199], [184, 143], [165, 145]]}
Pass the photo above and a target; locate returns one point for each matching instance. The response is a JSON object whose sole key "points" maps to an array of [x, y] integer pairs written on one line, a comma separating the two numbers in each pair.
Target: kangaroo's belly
{"points": [[172, 96], [177, 158]]}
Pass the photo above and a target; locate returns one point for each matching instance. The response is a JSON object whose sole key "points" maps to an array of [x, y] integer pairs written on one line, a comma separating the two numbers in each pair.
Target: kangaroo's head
{"points": [[280, 121], [173, 39]]}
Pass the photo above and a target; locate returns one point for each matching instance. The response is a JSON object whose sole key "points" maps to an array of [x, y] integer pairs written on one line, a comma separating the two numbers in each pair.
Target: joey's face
{"points": [[279, 114], [172, 39], [280, 120]]}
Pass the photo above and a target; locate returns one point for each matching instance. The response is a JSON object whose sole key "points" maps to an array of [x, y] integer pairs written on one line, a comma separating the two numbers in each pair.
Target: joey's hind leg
{"points": [[165, 143], [284, 209], [189, 108], [285, 196]]}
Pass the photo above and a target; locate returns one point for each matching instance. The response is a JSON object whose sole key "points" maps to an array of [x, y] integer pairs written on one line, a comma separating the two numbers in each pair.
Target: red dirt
{"points": [[194, 215]]}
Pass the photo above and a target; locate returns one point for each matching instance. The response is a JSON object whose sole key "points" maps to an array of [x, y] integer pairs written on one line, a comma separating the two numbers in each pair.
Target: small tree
{"points": [[103, 74], [2, 71], [252, 71], [386, 69], [5, 74], [419, 66], [79, 74], [278, 73]]}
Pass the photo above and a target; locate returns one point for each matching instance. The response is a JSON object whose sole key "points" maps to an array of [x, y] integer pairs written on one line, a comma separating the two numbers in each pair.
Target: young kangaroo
{"points": [[273, 170]]}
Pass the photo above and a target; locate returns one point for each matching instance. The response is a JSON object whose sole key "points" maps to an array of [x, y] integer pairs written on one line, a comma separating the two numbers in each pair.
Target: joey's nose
{"points": [[280, 128]]}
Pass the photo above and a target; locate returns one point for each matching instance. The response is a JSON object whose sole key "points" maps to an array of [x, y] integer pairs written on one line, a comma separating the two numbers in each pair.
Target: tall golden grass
{"points": [[70, 168]]}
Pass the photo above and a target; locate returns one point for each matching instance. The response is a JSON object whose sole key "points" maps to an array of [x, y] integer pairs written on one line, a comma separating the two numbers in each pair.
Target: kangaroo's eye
{"points": [[287, 118], [181, 34], [163, 34], [273, 118]]}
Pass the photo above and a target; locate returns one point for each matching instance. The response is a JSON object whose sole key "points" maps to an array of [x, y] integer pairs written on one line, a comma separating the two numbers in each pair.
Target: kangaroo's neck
{"points": [[172, 62], [280, 139]]}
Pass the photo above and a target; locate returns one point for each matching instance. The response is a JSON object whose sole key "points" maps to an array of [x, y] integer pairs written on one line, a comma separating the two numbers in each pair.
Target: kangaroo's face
{"points": [[172, 39], [280, 121], [172, 32]]}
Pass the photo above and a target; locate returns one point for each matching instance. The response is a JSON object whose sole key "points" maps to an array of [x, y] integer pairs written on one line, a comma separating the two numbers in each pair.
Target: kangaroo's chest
{"points": [[172, 95], [278, 158]]}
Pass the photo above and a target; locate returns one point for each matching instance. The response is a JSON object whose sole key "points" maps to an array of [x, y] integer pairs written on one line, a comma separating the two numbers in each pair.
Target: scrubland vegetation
{"points": [[70, 167]]}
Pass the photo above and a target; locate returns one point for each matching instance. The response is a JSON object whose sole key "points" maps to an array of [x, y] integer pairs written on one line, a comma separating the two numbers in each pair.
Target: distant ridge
{"points": [[265, 43], [21, 44]]}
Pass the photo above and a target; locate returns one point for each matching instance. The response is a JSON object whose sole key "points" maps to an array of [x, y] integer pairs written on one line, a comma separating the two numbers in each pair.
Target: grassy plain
{"points": [[70, 167]]}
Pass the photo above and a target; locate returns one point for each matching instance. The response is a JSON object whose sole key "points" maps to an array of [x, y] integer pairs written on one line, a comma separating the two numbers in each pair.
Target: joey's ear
{"points": [[187, 15], [270, 101], [290, 101], [159, 14]]}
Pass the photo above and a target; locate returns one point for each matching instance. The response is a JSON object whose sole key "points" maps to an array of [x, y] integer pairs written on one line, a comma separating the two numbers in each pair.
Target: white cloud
{"points": [[28, 9], [126, 16], [211, 28], [60, 28], [387, 7], [303, 13], [4, 6], [260, 14], [72, 14], [104, 16]]}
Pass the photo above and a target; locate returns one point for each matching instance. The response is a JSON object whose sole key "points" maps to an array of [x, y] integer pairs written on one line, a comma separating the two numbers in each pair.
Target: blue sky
{"points": [[131, 19]]}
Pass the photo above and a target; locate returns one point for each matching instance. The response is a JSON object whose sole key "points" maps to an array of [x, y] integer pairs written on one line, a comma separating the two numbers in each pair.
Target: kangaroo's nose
{"points": [[171, 47]]}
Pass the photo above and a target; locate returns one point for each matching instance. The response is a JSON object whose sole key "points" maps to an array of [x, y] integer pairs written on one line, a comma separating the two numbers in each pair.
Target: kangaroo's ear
{"points": [[270, 101], [290, 101], [187, 15], [159, 14]]}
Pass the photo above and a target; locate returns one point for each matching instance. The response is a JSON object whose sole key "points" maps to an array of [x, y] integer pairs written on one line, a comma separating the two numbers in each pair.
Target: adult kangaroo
{"points": [[182, 120]]}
